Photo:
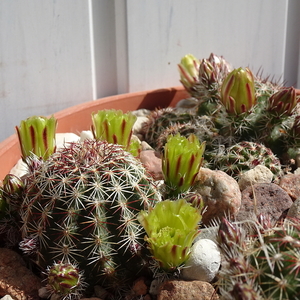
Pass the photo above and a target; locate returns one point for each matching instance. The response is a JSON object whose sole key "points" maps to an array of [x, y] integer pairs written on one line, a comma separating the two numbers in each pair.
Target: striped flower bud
{"points": [[37, 135], [189, 71], [283, 102], [238, 91], [64, 279], [181, 162], [113, 126]]}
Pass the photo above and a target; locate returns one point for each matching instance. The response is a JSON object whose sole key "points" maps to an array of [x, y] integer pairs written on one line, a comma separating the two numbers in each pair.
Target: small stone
{"points": [[15, 279], [294, 211], [186, 290], [266, 198], [138, 125], [220, 192], [139, 287], [44, 293], [154, 287], [291, 184], [86, 135], [151, 162], [7, 297], [204, 261], [19, 169], [142, 112], [259, 174], [62, 139], [187, 104]]}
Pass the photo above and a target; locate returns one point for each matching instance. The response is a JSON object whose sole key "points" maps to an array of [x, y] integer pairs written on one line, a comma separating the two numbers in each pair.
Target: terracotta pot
{"points": [[78, 118]]}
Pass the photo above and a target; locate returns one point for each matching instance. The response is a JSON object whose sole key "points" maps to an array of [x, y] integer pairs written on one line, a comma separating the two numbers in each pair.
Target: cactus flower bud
{"points": [[12, 190], [181, 162], [171, 228], [64, 279], [206, 72], [283, 102], [114, 126], [243, 291], [238, 91], [189, 71], [37, 135], [12, 185], [229, 234]]}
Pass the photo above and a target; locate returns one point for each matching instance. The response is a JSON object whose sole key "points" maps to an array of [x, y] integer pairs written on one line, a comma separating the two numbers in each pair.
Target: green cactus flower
{"points": [[189, 71], [171, 228], [238, 91], [181, 162], [114, 126], [37, 135], [283, 102]]}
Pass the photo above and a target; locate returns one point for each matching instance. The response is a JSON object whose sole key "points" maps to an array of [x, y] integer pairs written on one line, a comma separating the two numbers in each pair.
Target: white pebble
{"points": [[62, 139], [86, 135], [204, 261]]}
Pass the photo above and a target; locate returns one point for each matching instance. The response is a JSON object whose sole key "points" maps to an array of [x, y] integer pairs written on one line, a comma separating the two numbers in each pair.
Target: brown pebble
{"points": [[16, 279], [291, 184], [187, 290], [266, 198]]}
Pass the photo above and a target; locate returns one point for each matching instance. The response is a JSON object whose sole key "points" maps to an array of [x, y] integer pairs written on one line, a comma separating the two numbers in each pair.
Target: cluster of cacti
{"points": [[232, 107], [260, 261], [77, 208], [90, 212]]}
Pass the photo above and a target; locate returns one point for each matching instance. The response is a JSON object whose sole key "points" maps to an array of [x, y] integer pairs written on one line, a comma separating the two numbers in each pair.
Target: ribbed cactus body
{"points": [[278, 263], [161, 119], [244, 156], [81, 206]]}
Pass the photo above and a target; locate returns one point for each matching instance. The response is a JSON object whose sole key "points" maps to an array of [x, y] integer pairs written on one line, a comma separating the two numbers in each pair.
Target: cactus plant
{"points": [[161, 119], [244, 156], [80, 206], [262, 264]]}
